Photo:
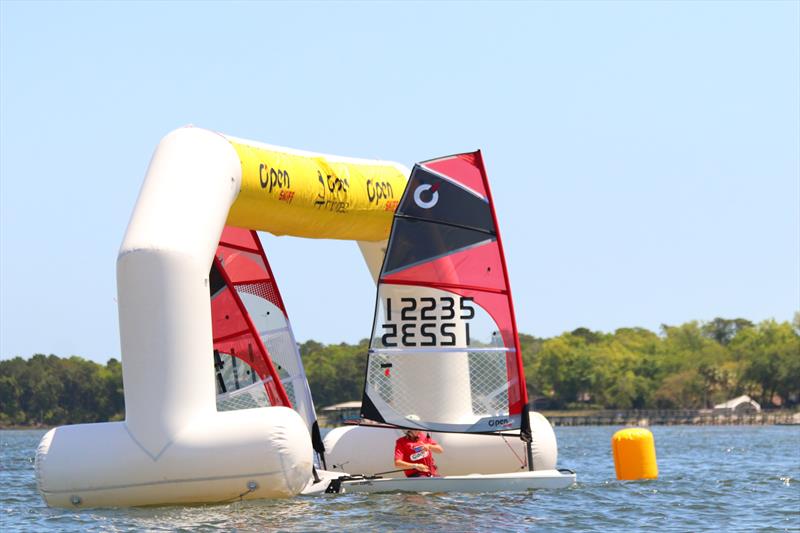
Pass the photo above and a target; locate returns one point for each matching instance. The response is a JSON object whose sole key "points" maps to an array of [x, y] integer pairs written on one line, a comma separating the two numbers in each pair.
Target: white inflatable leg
{"points": [[174, 446]]}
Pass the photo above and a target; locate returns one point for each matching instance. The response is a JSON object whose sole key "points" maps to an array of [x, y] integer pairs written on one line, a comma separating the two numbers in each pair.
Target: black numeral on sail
{"points": [[466, 307], [425, 328], [408, 334], [448, 337], [391, 334], [449, 306], [406, 313], [428, 305], [428, 331]]}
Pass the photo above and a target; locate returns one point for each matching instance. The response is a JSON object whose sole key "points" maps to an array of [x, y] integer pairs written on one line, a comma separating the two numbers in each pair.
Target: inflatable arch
{"points": [[174, 447]]}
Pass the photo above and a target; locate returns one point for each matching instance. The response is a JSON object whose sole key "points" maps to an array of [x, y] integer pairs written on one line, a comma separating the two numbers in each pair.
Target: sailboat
{"points": [[256, 359], [444, 353]]}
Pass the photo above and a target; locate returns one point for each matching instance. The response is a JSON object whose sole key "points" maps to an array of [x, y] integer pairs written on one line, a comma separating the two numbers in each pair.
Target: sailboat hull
{"points": [[368, 449], [509, 482]]}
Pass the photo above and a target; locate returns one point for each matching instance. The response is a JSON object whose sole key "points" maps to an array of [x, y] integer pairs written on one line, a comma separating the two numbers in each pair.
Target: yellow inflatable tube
{"points": [[289, 192]]}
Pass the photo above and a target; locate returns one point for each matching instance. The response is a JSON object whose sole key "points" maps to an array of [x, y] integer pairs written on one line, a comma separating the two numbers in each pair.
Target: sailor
{"points": [[413, 452]]}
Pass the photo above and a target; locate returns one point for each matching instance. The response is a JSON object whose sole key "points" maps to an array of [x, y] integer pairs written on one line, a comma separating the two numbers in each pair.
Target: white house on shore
{"points": [[742, 405]]}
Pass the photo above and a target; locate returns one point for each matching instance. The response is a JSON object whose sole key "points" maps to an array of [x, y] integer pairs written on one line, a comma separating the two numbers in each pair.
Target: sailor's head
{"points": [[412, 434]]}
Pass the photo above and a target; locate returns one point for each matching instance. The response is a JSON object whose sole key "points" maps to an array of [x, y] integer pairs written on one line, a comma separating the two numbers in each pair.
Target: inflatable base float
{"points": [[267, 454]]}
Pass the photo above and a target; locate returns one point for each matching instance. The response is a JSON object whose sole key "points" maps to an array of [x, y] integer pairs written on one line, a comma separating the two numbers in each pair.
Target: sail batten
{"points": [[444, 352], [448, 286], [451, 224], [230, 336], [250, 281]]}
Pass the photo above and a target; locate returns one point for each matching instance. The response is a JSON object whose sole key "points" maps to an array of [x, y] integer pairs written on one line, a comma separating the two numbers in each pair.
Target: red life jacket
{"points": [[412, 451]]}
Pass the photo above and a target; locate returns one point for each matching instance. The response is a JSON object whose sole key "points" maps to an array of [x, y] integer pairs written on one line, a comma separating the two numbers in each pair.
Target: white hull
{"points": [[509, 482], [318, 487], [369, 449]]}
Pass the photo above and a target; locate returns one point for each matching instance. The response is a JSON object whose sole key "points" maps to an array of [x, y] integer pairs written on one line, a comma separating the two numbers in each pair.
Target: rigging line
{"points": [[522, 462], [240, 496], [369, 423]]}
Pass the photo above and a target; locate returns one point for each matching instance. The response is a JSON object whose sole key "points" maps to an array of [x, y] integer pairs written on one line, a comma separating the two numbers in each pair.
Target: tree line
{"points": [[50, 390], [690, 366]]}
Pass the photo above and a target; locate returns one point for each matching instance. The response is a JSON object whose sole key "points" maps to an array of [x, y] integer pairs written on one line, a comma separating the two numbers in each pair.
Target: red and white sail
{"points": [[444, 353], [255, 353]]}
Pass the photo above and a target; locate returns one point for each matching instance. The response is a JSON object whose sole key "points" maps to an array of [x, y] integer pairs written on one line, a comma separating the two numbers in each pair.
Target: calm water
{"points": [[711, 478]]}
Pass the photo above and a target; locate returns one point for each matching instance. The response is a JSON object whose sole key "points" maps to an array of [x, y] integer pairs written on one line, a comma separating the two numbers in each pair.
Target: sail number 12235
{"points": [[426, 321]]}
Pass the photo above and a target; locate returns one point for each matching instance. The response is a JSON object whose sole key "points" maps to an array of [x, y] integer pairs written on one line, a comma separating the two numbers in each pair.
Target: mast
{"points": [[525, 428]]}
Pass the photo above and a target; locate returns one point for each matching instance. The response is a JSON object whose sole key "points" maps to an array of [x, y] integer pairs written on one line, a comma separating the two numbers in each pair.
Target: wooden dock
{"points": [[703, 417]]}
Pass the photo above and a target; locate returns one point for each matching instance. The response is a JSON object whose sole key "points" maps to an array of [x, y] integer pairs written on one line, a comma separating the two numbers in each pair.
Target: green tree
{"points": [[335, 372], [10, 393], [689, 352], [565, 371], [770, 356], [723, 330]]}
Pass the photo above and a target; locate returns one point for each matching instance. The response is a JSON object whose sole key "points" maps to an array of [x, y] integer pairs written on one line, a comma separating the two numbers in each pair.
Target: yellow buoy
{"points": [[634, 454]]}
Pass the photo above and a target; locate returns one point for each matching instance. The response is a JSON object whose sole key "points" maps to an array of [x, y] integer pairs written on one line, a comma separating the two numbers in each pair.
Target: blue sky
{"points": [[644, 157]]}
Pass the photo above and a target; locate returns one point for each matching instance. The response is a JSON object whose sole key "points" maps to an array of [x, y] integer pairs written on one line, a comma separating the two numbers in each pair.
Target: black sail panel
{"points": [[415, 241], [435, 198]]}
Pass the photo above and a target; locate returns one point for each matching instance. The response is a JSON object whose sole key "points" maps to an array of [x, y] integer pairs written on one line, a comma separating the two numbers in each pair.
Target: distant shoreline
{"points": [[589, 417], [688, 417], [685, 417]]}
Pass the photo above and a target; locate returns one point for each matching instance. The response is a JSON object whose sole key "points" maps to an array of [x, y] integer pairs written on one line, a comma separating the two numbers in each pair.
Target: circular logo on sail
{"points": [[433, 197]]}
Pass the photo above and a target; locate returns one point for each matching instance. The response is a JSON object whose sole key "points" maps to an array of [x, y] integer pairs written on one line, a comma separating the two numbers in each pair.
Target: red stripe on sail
{"points": [[232, 328], [463, 168], [520, 369], [479, 266]]}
